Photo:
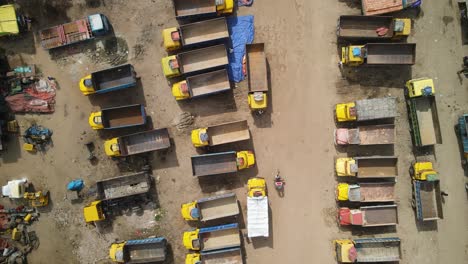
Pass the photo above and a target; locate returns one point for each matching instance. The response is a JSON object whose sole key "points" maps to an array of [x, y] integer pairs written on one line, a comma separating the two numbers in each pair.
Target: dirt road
{"points": [[295, 136]]}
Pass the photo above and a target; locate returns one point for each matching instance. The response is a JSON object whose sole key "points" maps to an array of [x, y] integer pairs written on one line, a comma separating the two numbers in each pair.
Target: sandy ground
{"points": [[295, 136]]}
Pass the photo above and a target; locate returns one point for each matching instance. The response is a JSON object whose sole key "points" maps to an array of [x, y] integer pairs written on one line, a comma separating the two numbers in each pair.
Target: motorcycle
{"points": [[279, 184]]}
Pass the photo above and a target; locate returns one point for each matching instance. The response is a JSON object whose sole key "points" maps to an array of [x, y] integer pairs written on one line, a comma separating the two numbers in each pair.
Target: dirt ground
{"points": [[294, 136]]}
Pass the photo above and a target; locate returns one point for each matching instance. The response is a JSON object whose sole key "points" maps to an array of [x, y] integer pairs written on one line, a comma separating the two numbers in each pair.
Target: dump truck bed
{"points": [[372, 192], [376, 108], [372, 135], [148, 250], [65, 34], [202, 59], [364, 27], [221, 239], [123, 186], [225, 256], [391, 53], [377, 167], [208, 83], [123, 116], [377, 7], [144, 142], [184, 8], [204, 31], [218, 207], [257, 67], [213, 164], [381, 215], [115, 77], [228, 132], [425, 121], [377, 249], [428, 200]]}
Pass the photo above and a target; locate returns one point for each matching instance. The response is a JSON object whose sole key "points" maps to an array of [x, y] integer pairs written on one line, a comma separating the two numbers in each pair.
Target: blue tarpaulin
{"points": [[75, 185], [241, 31]]}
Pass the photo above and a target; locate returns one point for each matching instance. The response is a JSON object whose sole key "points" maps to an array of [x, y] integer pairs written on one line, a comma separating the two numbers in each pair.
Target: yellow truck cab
{"points": [[257, 101], [353, 55], [189, 211], [225, 7], [190, 239], [111, 147], [402, 28], [193, 258], [86, 85], [257, 187], [345, 245], [93, 212], [423, 171], [200, 137], [8, 21], [95, 120], [342, 191], [171, 39], [420, 87], [343, 167], [345, 112], [116, 252], [245, 159], [170, 66], [180, 90]]}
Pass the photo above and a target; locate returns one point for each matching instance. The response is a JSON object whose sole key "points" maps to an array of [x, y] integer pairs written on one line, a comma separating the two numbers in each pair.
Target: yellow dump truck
{"points": [[118, 117], [221, 163], [367, 109], [367, 167], [211, 208], [257, 76], [195, 61], [148, 250], [379, 54], [195, 34], [202, 85], [221, 134], [202, 8], [373, 28], [213, 238]]}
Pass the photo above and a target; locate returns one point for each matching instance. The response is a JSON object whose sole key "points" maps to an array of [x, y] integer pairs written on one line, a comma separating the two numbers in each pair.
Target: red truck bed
{"points": [[65, 34]]}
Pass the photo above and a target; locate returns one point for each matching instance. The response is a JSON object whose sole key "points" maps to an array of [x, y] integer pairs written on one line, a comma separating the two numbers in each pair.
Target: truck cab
{"points": [[225, 6], [423, 171], [99, 24], [112, 148], [343, 247], [93, 212], [170, 66], [257, 101], [171, 39], [342, 192], [344, 167], [346, 112], [402, 28], [180, 90], [420, 87], [245, 159], [191, 239], [200, 137], [190, 211], [86, 85], [256, 187], [193, 258], [353, 55], [95, 120], [116, 252]]}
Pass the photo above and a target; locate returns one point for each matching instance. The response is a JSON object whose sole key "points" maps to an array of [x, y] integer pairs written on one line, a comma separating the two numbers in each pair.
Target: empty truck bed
{"points": [[227, 257], [377, 192], [216, 163], [257, 69], [229, 132], [377, 167], [378, 134], [377, 252], [380, 215], [219, 208], [124, 116], [194, 7], [221, 239], [207, 83], [425, 117], [201, 59], [430, 206], [146, 253], [391, 53], [364, 26], [117, 76], [204, 31], [146, 141]]}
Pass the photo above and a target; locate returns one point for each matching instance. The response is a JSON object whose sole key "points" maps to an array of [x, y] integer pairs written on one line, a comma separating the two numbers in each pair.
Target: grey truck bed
{"points": [[377, 167], [381, 215], [208, 83], [377, 249], [218, 207], [204, 31], [215, 163], [376, 108], [391, 53], [115, 77], [372, 135], [123, 186], [228, 132], [364, 27], [144, 142]]}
